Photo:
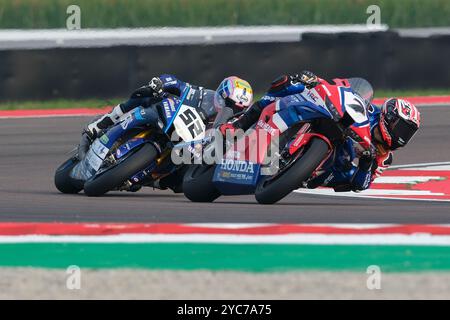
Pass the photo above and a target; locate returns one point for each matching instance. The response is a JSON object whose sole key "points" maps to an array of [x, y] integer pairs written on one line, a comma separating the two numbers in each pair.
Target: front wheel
{"points": [[272, 189], [63, 181], [117, 175], [198, 184]]}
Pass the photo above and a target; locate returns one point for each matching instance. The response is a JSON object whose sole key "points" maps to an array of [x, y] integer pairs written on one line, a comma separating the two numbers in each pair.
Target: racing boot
{"points": [[173, 181], [104, 122], [164, 184]]}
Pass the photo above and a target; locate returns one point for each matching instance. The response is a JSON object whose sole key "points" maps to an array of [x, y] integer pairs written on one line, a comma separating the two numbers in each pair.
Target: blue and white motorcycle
{"points": [[136, 152]]}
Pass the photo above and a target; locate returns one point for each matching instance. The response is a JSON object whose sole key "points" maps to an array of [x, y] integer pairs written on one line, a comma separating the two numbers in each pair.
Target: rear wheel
{"points": [[198, 184], [272, 189], [117, 175], [63, 181]]}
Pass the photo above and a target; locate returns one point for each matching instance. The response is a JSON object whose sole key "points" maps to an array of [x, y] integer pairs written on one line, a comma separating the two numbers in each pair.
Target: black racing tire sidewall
{"points": [[293, 177], [116, 176], [198, 183], [63, 181]]}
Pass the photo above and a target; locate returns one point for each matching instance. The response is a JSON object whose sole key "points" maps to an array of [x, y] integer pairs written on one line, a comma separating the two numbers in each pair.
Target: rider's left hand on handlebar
{"points": [[309, 79], [371, 152], [367, 158], [157, 85]]}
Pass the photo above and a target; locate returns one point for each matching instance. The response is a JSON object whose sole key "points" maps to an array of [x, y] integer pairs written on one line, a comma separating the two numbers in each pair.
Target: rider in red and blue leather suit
{"points": [[344, 174]]}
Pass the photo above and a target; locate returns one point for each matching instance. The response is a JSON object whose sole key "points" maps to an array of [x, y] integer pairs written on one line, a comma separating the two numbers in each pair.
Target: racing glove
{"points": [[309, 79], [284, 82], [289, 84], [250, 116], [362, 178], [153, 89]]}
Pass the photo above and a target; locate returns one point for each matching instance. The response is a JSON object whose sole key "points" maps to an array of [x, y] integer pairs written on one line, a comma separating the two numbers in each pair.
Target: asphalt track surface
{"points": [[31, 149]]}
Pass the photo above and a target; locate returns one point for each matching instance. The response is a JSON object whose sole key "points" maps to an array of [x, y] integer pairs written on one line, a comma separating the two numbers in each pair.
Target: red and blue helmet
{"points": [[399, 121]]}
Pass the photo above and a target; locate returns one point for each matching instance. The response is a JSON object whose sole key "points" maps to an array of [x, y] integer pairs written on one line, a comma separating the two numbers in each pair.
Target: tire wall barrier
{"points": [[387, 60]]}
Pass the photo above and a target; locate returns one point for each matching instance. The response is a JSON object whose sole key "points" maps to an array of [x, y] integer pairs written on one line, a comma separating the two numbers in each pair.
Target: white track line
{"points": [[323, 239]]}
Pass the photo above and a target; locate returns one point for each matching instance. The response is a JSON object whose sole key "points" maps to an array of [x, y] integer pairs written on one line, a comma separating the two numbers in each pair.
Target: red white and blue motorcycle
{"points": [[330, 114]]}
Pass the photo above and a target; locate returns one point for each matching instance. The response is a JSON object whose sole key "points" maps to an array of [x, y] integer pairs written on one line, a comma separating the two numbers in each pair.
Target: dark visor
{"points": [[402, 131]]}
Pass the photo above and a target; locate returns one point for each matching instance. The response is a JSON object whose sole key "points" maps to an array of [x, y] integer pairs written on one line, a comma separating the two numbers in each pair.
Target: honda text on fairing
{"points": [[324, 118]]}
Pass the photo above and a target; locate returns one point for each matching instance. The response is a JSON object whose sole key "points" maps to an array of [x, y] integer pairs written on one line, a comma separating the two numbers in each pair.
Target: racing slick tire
{"points": [[198, 184], [271, 190], [63, 181], [117, 175]]}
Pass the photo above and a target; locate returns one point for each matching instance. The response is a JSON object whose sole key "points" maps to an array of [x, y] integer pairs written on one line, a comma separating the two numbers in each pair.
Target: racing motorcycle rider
{"points": [[392, 126], [238, 96]]}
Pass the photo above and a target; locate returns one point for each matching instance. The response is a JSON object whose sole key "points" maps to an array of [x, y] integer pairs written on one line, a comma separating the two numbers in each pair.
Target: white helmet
{"points": [[235, 93]]}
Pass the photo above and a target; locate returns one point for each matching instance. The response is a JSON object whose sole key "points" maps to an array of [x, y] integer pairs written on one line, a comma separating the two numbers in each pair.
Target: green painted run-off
{"points": [[243, 257]]}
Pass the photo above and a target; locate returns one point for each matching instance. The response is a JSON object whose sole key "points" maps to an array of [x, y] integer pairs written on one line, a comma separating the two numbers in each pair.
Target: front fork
{"points": [[303, 138]]}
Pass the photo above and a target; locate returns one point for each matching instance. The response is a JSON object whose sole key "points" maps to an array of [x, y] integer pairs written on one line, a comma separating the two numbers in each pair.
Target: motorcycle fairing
{"points": [[170, 106], [137, 118], [128, 146], [233, 177]]}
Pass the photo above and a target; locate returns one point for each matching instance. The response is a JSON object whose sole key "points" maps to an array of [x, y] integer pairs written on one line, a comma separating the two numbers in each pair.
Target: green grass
{"points": [[144, 13], [98, 103]]}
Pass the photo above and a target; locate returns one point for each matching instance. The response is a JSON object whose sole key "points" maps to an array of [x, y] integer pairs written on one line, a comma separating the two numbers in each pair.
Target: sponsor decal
{"points": [[266, 127], [327, 180], [293, 99], [268, 98], [190, 94], [298, 140], [139, 113], [225, 174], [99, 149], [127, 121], [239, 166], [172, 105], [167, 109], [104, 139], [312, 96], [195, 150], [242, 98]]}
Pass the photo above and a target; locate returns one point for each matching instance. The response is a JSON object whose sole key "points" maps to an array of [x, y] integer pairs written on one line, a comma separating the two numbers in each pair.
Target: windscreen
{"points": [[207, 104], [223, 116], [363, 88]]}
